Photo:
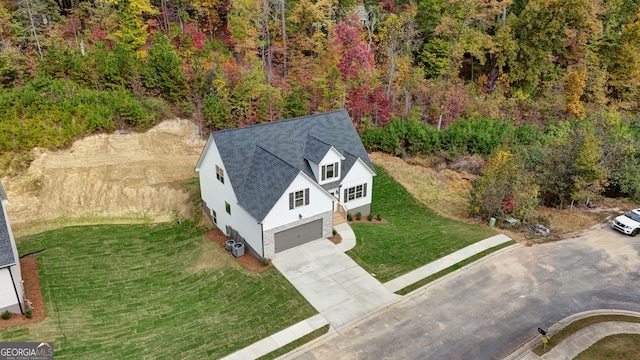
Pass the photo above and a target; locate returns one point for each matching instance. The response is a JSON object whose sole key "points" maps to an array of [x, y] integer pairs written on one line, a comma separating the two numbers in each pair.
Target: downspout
{"points": [[262, 236], [16, 290]]}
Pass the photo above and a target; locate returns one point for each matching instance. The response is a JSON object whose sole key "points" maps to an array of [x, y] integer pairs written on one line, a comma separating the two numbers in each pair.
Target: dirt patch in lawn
{"points": [[33, 293]]}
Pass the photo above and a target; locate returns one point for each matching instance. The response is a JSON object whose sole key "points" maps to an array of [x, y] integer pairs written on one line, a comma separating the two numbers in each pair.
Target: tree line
{"points": [[68, 68]]}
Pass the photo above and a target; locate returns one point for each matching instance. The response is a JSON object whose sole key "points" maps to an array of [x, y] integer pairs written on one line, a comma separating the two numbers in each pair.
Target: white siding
{"points": [[319, 202], [247, 226], [358, 175], [15, 270], [8, 300], [315, 169], [332, 156], [215, 194]]}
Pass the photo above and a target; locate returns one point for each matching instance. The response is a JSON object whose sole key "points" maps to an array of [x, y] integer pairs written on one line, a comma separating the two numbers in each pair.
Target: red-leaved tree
{"points": [[356, 65]]}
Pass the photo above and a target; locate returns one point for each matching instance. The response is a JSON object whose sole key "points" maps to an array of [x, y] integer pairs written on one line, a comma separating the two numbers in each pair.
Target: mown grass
{"points": [[151, 291], [413, 236], [577, 325], [618, 347], [452, 268], [295, 344]]}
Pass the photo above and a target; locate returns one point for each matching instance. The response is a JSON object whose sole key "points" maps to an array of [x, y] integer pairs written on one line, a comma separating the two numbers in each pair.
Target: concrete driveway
{"points": [[332, 282], [489, 308]]}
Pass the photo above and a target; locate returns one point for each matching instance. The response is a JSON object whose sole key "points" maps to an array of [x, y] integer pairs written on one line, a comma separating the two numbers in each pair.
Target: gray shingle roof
{"points": [[6, 250], [315, 149], [262, 160]]}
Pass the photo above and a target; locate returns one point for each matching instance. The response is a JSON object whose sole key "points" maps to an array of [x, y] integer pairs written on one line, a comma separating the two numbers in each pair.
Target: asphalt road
{"points": [[491, 307]]}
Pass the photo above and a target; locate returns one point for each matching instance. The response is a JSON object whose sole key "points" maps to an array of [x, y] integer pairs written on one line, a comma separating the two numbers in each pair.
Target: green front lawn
{"points": [[151, 291], [613, 347], [578, 325], [413, 235]]}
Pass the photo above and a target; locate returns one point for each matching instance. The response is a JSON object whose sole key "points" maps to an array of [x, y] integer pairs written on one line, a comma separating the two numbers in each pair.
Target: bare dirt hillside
{"points": [[124, 175], [133, 177]]}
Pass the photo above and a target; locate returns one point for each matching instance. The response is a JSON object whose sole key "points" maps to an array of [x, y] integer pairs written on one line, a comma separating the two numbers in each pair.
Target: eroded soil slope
{"points": [[122, 175]]}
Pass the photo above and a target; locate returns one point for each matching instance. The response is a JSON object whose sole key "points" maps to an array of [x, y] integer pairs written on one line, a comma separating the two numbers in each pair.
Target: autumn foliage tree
{"points": [[503, 188], [356, 67]]}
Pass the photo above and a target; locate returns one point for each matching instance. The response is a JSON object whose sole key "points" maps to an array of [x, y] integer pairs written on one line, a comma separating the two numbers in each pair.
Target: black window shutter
{"points": [[290, 201], [345, 196], [324, 172], [306, 196], [335, 170], [364, 190]]}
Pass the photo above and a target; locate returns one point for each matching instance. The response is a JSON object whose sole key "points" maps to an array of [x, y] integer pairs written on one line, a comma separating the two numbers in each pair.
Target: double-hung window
{"points": [[330, 171], [298, 198], [219, 174], [356, 192]]}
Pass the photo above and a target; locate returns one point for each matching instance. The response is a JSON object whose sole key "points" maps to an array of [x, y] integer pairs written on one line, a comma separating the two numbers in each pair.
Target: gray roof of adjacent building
{"points": [[262, 160], [6, 249]]}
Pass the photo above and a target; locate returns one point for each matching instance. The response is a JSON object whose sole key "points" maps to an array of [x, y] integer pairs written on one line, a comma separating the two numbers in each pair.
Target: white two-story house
{"points": [[11, 286], [274, 186]]}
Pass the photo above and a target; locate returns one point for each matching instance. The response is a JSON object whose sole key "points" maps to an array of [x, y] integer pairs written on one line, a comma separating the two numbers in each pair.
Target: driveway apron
{"points": [[332, 282]]}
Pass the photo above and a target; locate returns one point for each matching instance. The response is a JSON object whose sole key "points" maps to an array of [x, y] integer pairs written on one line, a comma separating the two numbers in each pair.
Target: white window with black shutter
{"points": [[330, 171], [356, 192], [298, 198]]}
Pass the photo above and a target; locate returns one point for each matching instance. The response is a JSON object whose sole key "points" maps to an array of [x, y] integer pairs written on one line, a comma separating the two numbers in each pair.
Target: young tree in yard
{"points": [[505, 187]]}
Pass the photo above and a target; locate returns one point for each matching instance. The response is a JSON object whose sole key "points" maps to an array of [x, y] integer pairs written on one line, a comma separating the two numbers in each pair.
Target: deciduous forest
{"points": [[546, 92]]}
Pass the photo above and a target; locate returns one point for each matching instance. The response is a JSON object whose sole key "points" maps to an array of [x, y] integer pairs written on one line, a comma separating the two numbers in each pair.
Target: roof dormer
{"points": [[324, 159]]}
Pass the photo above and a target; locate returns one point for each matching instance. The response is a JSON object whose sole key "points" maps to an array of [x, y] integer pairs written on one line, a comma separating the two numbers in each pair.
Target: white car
{"points": [[629, 223]]}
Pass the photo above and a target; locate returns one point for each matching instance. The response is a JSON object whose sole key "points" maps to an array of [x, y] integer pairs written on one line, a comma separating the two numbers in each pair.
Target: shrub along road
{"points": [[489, 308]]}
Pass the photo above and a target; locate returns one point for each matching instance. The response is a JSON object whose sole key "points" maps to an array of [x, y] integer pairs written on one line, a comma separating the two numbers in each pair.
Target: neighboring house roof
{"points": [[3, 195], [6, 250], [262, 160]]}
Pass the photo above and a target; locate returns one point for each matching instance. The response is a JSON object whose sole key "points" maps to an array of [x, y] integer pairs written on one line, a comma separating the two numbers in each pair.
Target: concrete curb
{"points": [[279, 339], [294, 332], [524, 351], [445, 262], [333, 333]]}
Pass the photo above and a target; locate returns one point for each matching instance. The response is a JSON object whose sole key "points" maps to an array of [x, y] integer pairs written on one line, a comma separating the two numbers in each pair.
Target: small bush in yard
{"points": [[265, 262], [358, 216], [378, 217], [334, 232], [28, 313], [6, 315], [369, 217], [349, 217]]}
